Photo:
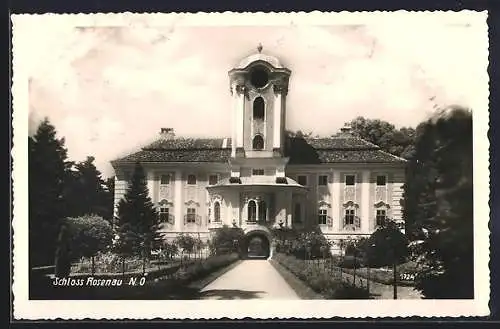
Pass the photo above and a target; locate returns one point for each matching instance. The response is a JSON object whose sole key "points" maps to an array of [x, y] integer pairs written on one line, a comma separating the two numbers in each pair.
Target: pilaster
{"points": [[365, 201], [179, 220]]}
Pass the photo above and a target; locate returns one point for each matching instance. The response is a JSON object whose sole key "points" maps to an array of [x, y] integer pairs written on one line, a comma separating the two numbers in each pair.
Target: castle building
{"points": [[261, 177]]}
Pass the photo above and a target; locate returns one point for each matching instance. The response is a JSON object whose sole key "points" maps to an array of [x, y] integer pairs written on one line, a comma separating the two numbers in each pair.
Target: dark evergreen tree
{"points": [[110, 199], [47, 177], [137, 218], [439, 205], [87, 192]]}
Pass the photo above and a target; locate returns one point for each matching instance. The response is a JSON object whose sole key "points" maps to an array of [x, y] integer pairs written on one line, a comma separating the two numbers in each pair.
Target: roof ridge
{"points": [[394, 156]]}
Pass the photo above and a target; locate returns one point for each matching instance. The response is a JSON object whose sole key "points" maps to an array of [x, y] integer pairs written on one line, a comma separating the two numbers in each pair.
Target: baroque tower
{"points": [[259, 85]]}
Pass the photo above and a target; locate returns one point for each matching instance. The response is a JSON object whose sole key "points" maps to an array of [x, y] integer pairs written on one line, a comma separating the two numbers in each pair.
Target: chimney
{"points": [[345, 130], [167, 133]]}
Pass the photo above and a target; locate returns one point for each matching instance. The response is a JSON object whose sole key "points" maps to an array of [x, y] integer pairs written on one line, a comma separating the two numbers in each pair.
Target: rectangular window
{"points": [[381, 217], [164, 214], [213, 179], [165, 179], [322, 180], [297, 216], [302, 180], [349, 217], [258, 172], [322, 213], [381, 180], [191, 180], [191, 215], [350, 180]]}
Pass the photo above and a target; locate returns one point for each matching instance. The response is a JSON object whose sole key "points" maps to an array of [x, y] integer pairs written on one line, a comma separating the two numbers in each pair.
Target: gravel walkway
{"points": [[251, 279]]}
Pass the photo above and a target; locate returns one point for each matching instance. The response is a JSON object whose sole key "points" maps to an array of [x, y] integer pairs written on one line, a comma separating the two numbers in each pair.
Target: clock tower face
{"points": [[259, 86]]}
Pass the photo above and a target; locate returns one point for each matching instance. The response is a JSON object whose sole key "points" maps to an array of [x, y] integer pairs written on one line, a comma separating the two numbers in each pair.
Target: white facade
{"points": [[258, 178]]}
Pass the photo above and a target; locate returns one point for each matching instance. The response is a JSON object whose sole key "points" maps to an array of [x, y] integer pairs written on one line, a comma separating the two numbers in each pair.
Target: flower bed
{"points": [[324, 282]]}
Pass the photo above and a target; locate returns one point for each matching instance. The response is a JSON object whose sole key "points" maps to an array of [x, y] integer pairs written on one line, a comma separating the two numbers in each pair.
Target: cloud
{"points": [[110, 89]]}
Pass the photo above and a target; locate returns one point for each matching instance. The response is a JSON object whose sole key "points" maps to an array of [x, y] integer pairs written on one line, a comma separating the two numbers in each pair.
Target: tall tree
{"points": [[384, 134], [137, 217], [87, 193], [110, 199], [439, 204], [48, 169]]}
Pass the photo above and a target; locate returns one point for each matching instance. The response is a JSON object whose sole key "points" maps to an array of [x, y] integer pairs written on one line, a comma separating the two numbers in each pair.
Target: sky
{"points": [[109, 89]]}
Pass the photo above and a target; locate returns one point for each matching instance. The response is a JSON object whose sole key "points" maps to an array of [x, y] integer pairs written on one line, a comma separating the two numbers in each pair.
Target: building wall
{"points": [[178, 196]]}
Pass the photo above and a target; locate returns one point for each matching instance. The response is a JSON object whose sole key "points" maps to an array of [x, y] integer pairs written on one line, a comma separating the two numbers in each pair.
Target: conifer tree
{"points": [[47, 177], [87, 193], [439, 205], [137, 218]]}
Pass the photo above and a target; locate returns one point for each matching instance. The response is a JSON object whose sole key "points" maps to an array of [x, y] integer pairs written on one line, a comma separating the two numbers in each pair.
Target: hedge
{"points": [[322, 282]]}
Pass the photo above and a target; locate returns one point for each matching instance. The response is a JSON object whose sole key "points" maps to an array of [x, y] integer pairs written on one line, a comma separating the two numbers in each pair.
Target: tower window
{"points": [[258, 142], [259, 77], [258, 108]]}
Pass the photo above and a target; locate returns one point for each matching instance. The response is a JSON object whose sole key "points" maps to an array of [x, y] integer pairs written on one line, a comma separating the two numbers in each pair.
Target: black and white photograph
{"points": [[256, 165]]}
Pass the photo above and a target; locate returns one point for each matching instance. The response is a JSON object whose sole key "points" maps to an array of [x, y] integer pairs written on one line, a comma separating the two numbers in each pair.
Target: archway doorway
{"points": [[257, 246]]}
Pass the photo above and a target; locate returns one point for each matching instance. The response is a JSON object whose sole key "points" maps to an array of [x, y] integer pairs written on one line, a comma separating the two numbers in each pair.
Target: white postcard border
{"points": [[258, 309]]}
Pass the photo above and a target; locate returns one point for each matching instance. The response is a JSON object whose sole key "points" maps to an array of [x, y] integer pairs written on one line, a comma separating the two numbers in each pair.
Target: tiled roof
{"points": [[336, 149], [182, 143], [172, 155], [340, 148]]}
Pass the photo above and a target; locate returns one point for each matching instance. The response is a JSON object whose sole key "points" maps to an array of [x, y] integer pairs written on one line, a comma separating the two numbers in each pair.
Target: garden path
{"points": [[251, 279]]}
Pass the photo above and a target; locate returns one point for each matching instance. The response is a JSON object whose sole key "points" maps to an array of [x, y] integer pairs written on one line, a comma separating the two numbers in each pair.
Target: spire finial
{"points": [[259, 47]]}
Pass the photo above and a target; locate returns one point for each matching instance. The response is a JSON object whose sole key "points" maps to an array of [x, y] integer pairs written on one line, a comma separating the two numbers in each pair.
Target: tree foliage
{"points": [[137, 218], [87, 191], [89, 234], [224, 240], [386, 246], [303, 244], [48, 175], [384, 134], [438, 206]]}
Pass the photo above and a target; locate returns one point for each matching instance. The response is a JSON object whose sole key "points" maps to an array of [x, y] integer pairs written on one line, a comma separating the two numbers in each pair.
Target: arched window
{"points": [[258, 142], [252, 211], [258, 108], [217, 212], [262, 211]]}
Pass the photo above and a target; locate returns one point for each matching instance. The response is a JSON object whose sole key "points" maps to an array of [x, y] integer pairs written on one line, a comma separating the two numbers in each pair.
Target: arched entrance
{"points": [[256, 245]]}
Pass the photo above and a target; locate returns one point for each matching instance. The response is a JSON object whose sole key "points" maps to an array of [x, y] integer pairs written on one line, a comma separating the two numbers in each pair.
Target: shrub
{"points": [[330, 286], [385, 246], [198, 270], [226, 240], [305, 244]]}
